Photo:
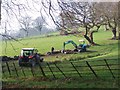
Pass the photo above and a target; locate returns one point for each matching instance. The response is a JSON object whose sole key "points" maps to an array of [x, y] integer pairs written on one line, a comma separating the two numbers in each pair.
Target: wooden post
{"points": [[8, 68], [51, 70], [92, 69], [3, 72], [76, 69], [32, 71], [15, 69], [41, 69], [109, 68], [23, 71], [60, 70]]}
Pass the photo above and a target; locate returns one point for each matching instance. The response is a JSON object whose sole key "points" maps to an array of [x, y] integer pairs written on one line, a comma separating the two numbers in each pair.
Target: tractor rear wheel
{"points": [[19, 61]]}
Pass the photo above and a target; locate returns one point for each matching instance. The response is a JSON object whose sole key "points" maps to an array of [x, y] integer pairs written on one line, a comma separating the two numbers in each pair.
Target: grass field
{"points": [[72, 79], [107, 49]]}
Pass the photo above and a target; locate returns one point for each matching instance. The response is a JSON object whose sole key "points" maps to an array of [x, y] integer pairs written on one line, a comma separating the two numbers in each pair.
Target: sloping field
{"points": [[108, 48], [33, 78]]}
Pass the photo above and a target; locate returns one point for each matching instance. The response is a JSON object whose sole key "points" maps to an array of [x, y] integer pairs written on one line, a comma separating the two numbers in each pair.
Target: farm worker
{"points": [[52, 49], [37, 56]]}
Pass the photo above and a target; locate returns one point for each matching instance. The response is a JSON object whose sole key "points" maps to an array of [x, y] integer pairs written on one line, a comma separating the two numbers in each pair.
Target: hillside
{"points": [[77, 76], [108, 48]]}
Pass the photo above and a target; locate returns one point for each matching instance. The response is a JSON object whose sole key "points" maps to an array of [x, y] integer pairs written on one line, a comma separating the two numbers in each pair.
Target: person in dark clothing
{"points": [[52, 49]]}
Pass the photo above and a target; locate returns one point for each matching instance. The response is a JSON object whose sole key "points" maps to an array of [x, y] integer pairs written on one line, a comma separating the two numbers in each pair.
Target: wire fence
{"points": [[99, 69]]}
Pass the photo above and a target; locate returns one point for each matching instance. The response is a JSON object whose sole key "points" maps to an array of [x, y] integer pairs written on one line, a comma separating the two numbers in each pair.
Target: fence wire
{"points": [[98, 69]]}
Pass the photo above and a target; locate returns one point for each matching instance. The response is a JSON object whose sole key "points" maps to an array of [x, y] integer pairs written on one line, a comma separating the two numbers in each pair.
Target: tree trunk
{"points": [[88, 39], [85, 36], [40, 29], [114, 33], [27, 33], [113, 28], [40, 32], [91, 37]]}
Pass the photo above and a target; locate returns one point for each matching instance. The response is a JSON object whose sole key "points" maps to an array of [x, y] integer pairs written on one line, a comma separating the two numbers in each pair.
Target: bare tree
{"points": [[80, 14], [88, 16], [25, 23], [12, 10], [112, 19], [0, 10], [38, 23], [109, 13], [72, 14]]}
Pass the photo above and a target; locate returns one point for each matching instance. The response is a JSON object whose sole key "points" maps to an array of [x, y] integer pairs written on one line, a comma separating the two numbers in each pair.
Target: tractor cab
{"points": [[82, 45], [28, 51]]}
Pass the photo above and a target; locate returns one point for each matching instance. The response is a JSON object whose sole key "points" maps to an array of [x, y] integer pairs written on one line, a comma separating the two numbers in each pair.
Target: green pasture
{"points": [[107, 49], [43, 44]]}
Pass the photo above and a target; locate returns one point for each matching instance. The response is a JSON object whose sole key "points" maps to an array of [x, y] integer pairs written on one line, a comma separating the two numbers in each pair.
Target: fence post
{"points": [[15, 69], [32, 71], [60, 70], [76, 69], [41, 69], [109, 68], [91, 69], [8, 68], [51, 70], [3, 72], [23, 71]]}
